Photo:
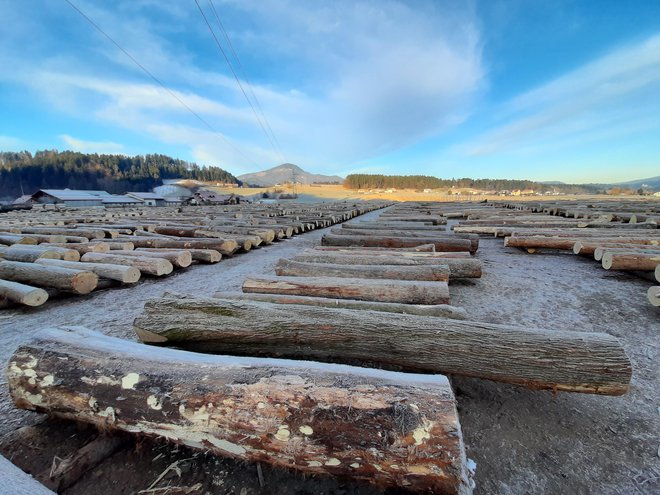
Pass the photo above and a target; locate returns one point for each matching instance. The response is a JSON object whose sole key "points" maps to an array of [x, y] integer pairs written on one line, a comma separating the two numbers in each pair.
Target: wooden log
{"points": [[82, 248], [626, 249], [380, 225], [202, 255], [434, 219], [422, 248], [80, 282], [389, 252], [653, 295], [120, 273], [657, 273], [635, 261], [391, 429], [151, 266], [116, 245], [17, 482], [396, 272], [179, 258], [442, 310], [441, 244], [88, 233], [22, 294], [458, 267], [26, 253], [397, 291], [543, 359], [9, 239]]}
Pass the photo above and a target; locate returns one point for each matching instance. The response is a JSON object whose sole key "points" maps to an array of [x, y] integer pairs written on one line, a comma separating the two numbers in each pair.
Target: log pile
{"points": [[621, 235], [44, 252]]}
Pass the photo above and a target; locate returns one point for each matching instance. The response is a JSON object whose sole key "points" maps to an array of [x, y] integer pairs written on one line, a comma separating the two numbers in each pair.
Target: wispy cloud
{"points": [[11, 143], [612, 96], [83, 146]]}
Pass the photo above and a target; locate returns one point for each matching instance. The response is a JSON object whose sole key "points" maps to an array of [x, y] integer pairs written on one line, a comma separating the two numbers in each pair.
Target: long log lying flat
{"points": [[391, 429], [27, 253], [441, 244], [80, 282], [422, 248], [179, 258], [391, 252], [152, 266], [442, 310], [22, 294], [438, 273], [541, 359], [120, 273], [201, 255], [458, 267], [397, 291], [474, 238], [630, 261]]}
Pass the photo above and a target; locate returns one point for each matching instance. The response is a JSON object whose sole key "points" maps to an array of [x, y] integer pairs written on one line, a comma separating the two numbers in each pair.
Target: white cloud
{"points": [[614, 95], [102, 147]]}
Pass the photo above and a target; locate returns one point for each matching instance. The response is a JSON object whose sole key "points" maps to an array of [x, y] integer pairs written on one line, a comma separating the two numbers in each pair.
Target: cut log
{"points": [[625, 261], [429, 248], [391, 429], [441, 244], [19, 252], [9, 239], [120, 273], [458, 267], [442, 310], [116, 245], [599, 252], [653, 295], [392, 252], [22, 294], [179, 258], [17, 482], [543, 359], [202, 255], [80, 282], [396, 272], [397, 291], [151, 266], [82, 248], [657, 273]]}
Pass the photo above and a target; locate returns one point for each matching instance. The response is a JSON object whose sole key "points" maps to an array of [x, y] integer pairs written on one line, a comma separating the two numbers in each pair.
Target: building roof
{"points": [[74, 194], [116, 198], [23, 199], [146, 195]]}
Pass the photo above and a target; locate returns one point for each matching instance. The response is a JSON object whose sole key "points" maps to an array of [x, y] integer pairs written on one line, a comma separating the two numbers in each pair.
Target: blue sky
{"points": [[564, 90]]}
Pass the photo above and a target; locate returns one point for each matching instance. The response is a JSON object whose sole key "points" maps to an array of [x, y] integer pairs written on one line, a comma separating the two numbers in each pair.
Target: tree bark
{"points": [[27, 253], [438, 273], [9, 239], [636, 261], [540, 359], [397, 291], [201, 255], [442, 310], [22, 294], [441, 244], [120, 273], [82, 248], [179, 258], [458, 267], [422, 248], [152, 266], [390, 429], [80, 282]]}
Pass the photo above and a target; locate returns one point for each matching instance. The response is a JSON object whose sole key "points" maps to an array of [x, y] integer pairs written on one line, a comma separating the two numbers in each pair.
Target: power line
{"points": [[238, 81], [146, 71], [244, 74]]}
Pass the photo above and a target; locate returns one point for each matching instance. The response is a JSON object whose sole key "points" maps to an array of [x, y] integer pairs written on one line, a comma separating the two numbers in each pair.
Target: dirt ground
{"points": [[522, 441]]}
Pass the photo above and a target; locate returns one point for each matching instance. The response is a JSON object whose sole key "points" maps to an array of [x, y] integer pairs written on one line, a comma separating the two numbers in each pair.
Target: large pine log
{"points": [[442, 310], [180, 258], [458, 267], [202, 255], [82, 248], [474, 238], [422, 248], [9, 239], [80, 282], [28, 253], [441, 244], [391, 429], [542, 359], [634, 261], [152, 266], [390, 252], [120, 273], [396, 272], [397, 291], [22, 294]]}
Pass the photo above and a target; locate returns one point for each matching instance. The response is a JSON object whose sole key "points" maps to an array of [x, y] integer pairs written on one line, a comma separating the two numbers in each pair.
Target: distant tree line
{"points": [[376, 181], [52, 169]]}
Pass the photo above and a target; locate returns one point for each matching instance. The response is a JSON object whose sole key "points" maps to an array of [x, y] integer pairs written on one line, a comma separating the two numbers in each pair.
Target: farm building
{"points": [[149, 198]]}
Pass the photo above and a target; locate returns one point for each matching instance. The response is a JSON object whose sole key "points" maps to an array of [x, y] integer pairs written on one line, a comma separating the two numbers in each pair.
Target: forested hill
{"points": [[375, 181], [116, 174]]}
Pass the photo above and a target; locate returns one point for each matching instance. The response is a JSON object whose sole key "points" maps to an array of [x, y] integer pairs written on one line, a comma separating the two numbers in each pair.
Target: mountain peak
{"points": [[287, 172]]}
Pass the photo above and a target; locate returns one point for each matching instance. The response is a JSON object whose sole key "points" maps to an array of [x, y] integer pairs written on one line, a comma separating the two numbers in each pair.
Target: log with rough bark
{"points": [[441, 244], [115, 245], [28, 253], [653, 295], [396, 291], [120, 273], [627, 261], [599, 252], [80, 282], [442, 310], [88, 233], [201, 255], [179, 258], [151, 266], [9, 239], [391, 252], [434, 219], [391, 429], [17, 482], [82, 248], [422, 248], [436, 273], [22, 294], [543, 359], [458, 267], [376, 225]]}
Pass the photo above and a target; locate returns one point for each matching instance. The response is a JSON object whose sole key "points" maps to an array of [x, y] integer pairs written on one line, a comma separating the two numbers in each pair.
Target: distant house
{"points": [[204, 197], [69, 197], [173, 191], [149, 198], [26, 199], [121, 200]]}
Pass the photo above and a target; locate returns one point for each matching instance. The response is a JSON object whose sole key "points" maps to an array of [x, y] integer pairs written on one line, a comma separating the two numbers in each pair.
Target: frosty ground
{"points": [[522, 441]]}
